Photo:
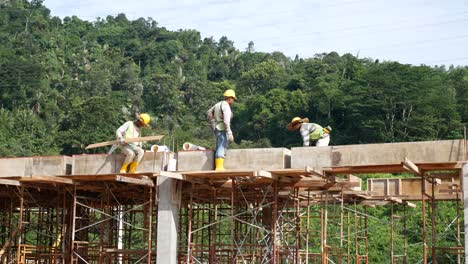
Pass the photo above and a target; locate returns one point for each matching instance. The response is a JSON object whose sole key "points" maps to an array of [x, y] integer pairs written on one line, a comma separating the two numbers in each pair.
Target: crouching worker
{"points": [[312, 134], [133, 151], [220, 117]]}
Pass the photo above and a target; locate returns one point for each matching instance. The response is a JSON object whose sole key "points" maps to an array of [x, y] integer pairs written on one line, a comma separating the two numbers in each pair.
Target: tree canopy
{"points": [[66, 83]]}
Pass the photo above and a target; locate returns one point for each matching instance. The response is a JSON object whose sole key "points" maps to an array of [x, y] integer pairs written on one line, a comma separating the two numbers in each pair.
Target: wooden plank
{"points": [[313, 171], [394, 200], [107, 177], [410, 166], [306, 172], [144, 182], [130, 140], [10, 182], [45, 178], [220, 174], [388, 168], [125, 251], [263, 174]]}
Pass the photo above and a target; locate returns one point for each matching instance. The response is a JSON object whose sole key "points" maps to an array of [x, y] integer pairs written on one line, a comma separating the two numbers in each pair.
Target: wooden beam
{"points": [[436, 181], [10, 182], [130, 140], [45, 178], [394, 200], [410, 166], [144, 182], [314, 172], [263, 174]]}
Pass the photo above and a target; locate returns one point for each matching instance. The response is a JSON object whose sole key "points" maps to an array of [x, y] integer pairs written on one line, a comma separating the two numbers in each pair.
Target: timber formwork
{"points": [[235, 216]]}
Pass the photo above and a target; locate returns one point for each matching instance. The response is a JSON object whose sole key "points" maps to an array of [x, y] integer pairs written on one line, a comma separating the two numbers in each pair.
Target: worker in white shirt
{"points": [[312, 134], [220, 116], [133, 151]]}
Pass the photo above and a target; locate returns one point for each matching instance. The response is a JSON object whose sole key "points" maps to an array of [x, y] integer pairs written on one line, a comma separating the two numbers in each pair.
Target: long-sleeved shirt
{"points": [[122, 130], [307, 129], [224, 110]]}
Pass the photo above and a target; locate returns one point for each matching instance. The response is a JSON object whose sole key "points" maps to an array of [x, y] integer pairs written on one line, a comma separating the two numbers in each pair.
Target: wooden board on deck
{"points": [[44, 178], [130, 140]]}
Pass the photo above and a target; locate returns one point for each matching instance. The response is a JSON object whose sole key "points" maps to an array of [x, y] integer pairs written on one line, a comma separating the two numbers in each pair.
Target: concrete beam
{"points": [[99, 164], [258, 159], [236, 159], [198, 160], [39, 165], [443, 151]]}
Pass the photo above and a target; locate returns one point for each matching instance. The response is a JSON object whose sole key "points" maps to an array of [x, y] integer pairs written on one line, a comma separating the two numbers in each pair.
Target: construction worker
{"points": [[312, 134], [220, 116], [133, 151]]}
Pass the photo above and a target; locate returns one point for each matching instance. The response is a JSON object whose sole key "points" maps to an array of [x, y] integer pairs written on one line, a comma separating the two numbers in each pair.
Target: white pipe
{"points": [[156, 148], [190, 146]]}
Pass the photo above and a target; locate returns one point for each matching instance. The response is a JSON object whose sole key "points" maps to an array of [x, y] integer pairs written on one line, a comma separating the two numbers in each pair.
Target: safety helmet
{"points": [[145, 118], [230, 93], [296, 120]]}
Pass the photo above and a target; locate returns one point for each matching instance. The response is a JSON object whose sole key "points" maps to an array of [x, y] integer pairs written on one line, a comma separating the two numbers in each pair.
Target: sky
{"points": [[431, 32]]}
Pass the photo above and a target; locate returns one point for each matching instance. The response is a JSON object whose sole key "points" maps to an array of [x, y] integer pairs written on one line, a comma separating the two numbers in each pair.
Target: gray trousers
{"points": [[132, 153]]}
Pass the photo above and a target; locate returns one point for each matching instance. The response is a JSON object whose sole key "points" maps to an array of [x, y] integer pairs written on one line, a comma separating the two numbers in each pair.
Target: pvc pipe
{"points": [[162, 148], [190, 146]]}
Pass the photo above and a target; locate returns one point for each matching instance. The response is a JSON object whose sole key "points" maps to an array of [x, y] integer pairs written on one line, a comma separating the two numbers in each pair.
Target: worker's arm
{"points": [[227, 114], [121, 131], [211, 118], [306, 129]]}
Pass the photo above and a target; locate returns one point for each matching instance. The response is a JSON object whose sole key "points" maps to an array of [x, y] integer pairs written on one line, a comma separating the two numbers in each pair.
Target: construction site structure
{"points": [[270, 205]]}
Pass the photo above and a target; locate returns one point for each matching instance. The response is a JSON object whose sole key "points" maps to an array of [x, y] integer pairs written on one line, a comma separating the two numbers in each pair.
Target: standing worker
{"points": [[312, 134], [220, 116], [133, 151]]}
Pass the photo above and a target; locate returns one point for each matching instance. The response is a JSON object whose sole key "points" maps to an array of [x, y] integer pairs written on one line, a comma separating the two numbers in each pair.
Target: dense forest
{"points": [[65, 83]]}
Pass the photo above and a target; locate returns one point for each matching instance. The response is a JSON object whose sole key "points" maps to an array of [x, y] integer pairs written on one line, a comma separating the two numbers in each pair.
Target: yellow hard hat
{"points": [[230, 93], [145, 118], [296, 120]]}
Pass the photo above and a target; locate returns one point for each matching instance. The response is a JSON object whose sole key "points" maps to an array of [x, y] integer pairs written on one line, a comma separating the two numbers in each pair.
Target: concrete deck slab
{"points": [[378, 154]]}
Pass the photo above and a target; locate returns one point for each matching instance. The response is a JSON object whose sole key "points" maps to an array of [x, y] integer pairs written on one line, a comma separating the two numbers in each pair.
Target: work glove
{"points": [[230, 137]]}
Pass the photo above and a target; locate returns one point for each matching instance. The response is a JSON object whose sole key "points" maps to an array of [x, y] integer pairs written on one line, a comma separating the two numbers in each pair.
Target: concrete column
{"points": [[464, 174], [168, 215]]}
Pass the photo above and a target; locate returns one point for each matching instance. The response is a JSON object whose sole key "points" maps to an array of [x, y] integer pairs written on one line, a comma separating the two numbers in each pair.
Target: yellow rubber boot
{"points": [[133, 167], [124, 167], [219, 163]]}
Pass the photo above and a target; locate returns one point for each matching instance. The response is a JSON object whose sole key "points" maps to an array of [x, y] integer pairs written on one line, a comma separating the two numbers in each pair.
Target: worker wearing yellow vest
{"points": [[133, 151], [312, 134], [220, 116]]}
